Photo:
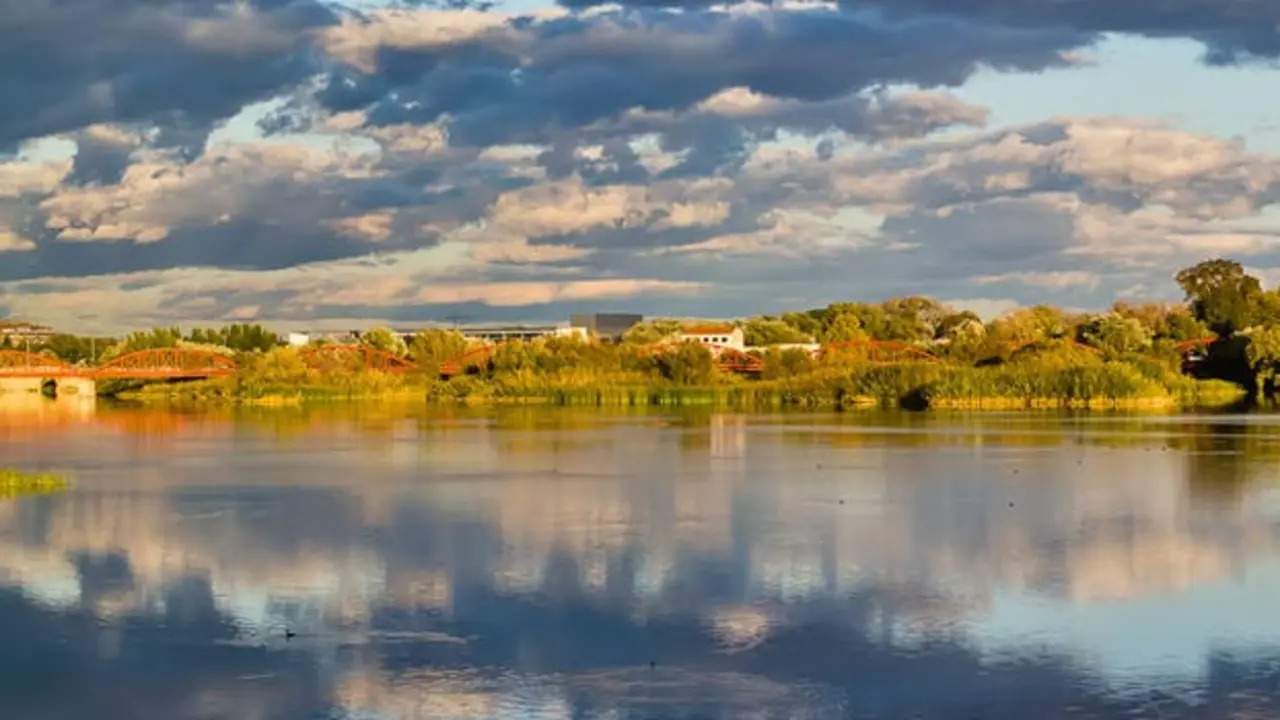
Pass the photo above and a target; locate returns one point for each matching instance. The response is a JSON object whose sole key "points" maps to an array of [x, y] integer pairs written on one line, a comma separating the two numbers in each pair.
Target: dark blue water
{"points": [[382, 563]]}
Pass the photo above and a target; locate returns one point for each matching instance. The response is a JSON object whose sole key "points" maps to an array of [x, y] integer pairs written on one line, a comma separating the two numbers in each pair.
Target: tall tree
{"points": [[381, 338], [1222, 295]]}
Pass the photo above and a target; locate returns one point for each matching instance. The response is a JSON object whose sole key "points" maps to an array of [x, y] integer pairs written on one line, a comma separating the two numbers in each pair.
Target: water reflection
{"points": [[576, 564]]}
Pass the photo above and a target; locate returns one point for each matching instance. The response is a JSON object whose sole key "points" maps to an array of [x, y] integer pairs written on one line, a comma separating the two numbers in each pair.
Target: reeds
{"points": [[1137, 381]]}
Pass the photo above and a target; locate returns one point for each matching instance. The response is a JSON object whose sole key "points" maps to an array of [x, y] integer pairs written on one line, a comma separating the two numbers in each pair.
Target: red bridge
{"points": [[195, 364], [159, 364], [1197, 345]]}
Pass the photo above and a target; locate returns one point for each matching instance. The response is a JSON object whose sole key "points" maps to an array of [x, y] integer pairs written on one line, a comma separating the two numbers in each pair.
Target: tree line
{"points": [[1221, 301]]}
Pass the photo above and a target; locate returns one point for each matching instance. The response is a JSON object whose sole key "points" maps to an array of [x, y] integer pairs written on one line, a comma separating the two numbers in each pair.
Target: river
{"points": [[379, 563]]}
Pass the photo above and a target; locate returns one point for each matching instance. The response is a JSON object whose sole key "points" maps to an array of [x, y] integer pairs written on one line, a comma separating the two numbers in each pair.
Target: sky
{"points": [[308, 164]]}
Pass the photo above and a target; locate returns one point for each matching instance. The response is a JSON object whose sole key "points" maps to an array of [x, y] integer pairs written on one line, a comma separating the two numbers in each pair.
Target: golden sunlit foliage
{"points": [[912, 350]]}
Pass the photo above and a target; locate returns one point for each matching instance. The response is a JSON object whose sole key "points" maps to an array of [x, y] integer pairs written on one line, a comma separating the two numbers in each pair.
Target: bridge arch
{"points": [[474, 357], [881, 351], [332, 357], [1200, 343], [25, 364], [167, 363]]}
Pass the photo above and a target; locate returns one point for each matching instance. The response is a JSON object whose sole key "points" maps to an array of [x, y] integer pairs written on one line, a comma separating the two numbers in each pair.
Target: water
{"points": [[381, 563]]}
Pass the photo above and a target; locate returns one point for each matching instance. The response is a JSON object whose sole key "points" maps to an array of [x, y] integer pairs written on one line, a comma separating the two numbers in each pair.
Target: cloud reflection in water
{"points": [[536, 564]]}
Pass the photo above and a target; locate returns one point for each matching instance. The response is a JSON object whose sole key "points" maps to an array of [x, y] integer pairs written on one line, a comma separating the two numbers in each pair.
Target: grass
{"points": [[1136, 382], [14, 483]]}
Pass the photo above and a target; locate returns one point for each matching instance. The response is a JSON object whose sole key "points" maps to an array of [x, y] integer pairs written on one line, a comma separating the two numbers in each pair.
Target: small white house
{"points": [[297, 339], [723, 336]]}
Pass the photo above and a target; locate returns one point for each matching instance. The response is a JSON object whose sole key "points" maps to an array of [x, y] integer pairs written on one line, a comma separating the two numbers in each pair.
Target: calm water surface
{"points": [[378, 563]]}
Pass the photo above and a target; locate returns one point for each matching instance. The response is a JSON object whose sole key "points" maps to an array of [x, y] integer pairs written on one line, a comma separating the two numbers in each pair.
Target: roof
{"points": [[707, 330]]}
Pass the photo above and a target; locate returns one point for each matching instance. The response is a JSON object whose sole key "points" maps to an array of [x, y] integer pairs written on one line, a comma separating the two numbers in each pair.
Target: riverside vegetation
{"points": [[1041, 356]]}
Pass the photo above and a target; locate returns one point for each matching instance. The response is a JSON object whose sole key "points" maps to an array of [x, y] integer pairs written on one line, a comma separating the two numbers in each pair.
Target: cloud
{"points": [[421, 588], [293, 162], [1072, 209], [528, 79], [169, 64], [1231, 30]]}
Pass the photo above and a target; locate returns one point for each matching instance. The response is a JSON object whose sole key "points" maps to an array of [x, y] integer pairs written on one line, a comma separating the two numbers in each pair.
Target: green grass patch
{"points": [[1033, 383]]}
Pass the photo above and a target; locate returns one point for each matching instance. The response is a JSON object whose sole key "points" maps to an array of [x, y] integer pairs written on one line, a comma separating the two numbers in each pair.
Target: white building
{"points": [[724, 336], [500, 333]]}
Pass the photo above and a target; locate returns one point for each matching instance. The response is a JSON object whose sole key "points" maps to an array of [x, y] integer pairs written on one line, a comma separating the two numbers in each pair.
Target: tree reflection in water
{"points": [[470, 570]]}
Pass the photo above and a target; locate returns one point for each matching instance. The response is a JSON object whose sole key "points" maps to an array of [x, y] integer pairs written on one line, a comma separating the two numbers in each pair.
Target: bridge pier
{"points": [[84, 387]]}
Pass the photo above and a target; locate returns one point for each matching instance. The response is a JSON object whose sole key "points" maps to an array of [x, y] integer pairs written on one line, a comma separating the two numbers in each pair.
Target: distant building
{"points": [[501, 333], [725, 336], [17, 331], [340, 337], [609, 326]]}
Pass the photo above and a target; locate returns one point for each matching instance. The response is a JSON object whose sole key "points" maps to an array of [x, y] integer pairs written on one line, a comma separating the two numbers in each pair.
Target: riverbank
{"points": [[1116, 385]]}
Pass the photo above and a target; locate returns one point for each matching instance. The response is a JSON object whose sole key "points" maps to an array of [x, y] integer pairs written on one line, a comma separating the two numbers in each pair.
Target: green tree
{"points": [[246, 337], [788, 362], [278, 367], [688, 363], [951, 324], [384, 339], [1267, 309], [963, 337], [73, 349], [844, 327], [432, 347], [1115, 335], [809, 322], [1150, 315], [767, 331], [153, 339], [240, 337], [1263, 353], [872, 320], [1033, 325], [652, 332], [1179, 325], [1221, 294], [913, 319]]}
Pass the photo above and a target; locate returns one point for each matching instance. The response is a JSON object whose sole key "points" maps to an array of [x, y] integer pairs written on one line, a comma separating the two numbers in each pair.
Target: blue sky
{"points": [[1132, 77], [190, 162]]}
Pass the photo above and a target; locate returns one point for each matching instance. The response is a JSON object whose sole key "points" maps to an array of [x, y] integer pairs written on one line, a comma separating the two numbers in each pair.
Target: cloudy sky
{"points": [[313, 164]]}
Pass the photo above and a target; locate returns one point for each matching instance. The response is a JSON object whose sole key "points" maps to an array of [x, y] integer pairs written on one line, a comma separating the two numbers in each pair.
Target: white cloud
{"points": [[708, 162], [156, 197], [1048, 210]]}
